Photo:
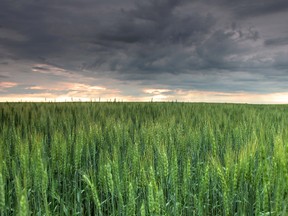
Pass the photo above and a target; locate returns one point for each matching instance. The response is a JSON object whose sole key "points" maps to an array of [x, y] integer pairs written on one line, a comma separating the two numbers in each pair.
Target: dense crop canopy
{"points": [[143, 159]]}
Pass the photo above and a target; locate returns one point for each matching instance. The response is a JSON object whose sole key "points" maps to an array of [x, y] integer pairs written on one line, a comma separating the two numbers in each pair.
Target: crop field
{"points": [[143, 159]]}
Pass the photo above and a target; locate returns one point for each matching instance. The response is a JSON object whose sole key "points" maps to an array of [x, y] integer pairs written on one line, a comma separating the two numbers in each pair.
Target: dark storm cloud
{"points": [[50, 27], [3, 77], [154, 38], [154, 22], [219, 45], [142, 40], [123, 39], [281, 62], [276, 41], [247, 8], [150, 37]]}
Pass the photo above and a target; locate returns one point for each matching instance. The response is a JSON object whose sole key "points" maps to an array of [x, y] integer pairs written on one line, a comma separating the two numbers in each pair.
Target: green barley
{"points": [[2, 193], [93, 190], [151, 199], [131, 201], [146, 158], [23, 205], [142, 209]]}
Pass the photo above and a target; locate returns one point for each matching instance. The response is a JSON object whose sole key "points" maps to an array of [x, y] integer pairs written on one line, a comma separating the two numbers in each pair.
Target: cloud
{"points": [[3, 76], [6, 85], [135, 39], [149, 39], [128, 40], [276, 41], [222, 44], [56, 90], [11, 35], [247, 8], [155, 37], [281, 61], [156, 91], [132, 45]]}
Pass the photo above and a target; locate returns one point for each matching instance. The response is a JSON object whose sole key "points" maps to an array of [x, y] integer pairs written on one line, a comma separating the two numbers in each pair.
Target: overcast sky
{"points": [[208, 50]]}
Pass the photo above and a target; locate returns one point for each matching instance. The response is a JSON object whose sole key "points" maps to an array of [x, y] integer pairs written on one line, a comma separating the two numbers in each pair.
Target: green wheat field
{"points": [[130, 159]]}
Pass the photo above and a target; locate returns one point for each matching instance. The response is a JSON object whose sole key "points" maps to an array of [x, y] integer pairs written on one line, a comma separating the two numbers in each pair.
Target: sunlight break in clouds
{"points": [[64, 91], [61, 91], [222, 97], [55, 71], [61, 86], [193, 96], [6, 85], [156, 91]]}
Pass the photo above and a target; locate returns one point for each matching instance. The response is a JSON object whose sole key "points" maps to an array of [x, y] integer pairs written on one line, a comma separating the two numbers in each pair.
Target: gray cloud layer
{"points": [[247, 8], [144, 40]]}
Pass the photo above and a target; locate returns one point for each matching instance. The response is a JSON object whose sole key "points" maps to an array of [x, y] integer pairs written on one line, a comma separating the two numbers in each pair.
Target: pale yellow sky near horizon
{"points": [[84, 92]]}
